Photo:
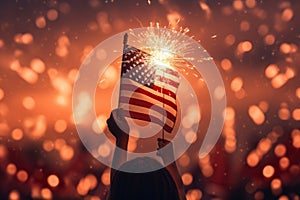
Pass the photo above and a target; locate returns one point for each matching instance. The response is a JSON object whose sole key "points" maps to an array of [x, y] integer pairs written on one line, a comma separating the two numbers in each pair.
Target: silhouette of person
{"points": [[162, 184]]}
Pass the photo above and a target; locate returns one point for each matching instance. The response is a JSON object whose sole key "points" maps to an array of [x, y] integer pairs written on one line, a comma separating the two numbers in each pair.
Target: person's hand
{"points": [[165, 150], [118, 125]]}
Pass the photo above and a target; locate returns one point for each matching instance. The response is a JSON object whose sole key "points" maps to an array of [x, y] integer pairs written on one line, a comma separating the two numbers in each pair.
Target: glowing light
{"points": [[39, 127], [60, 126], [298, 93], [40, 22], [66, 153], [264, 106], [17, 134], [62, 85], [250, 3], [279, 80], [163, 46], [102, 19], [1, 43], [27, 38], [296, 114], [28, 103], [28, 75], [187, 178], [184, 160], [269, 39], [104, 150], [105, 177], [284, 163], [109, 78], [219, 92], [246, 46], [287, 14], [37, 65], [173, 18], [280, 150], [256, 114], [46, 193], [14, 195], [59, 144], [194, 194], [1, 94], [236, 84], [264, 145], [226, 64], [101, 54], [244, 26], [48, 145], [285, 48], [99, 124], [53, 180], [296, 138], [263, 29], [268, 171], [253, 159], [64, 7], [3, 151], [62, 100], [22, 176], [230, 39], [271, 71], [283, 197], [92, 180], [284, 113], [276, 184], [190, 137], [205, 8], [11, 169], [52, 14], [290, 73], [238, 5]]}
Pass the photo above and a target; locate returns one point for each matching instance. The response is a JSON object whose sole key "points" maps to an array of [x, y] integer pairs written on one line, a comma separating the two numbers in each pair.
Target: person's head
{"points": [[154, 185]]}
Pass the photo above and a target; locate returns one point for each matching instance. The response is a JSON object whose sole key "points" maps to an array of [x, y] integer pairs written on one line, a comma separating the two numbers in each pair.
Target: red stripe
{"points": [[133, 88], [168, 81], [164, 91], [146, 104], [145, 117], [172, 72]]}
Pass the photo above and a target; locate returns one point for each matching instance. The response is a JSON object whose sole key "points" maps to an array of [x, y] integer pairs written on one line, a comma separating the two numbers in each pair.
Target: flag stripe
{"points": [[167, 81], [146, 104], [152, 114], [163, 73], [169, 101], [129, 94], [146, 117]]}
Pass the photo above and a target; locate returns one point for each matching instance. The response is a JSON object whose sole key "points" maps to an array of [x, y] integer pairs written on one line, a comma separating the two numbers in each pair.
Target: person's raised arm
{"points": [[118, 126], [167, 155]]}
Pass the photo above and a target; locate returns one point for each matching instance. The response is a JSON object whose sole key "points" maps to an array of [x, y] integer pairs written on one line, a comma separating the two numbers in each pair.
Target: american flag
{"points": [[148, 91]]}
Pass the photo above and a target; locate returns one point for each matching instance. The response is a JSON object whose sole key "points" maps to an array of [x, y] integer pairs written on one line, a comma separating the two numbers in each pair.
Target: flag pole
{"points": [[125, 45], [163, 115]]}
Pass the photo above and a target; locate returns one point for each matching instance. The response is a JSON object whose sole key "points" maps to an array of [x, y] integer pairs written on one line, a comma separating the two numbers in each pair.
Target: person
{"points": [[160, 183]]}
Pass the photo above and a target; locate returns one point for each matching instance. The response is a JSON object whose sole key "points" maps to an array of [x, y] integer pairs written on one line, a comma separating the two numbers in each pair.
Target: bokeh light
{"points": [[255, 45]]}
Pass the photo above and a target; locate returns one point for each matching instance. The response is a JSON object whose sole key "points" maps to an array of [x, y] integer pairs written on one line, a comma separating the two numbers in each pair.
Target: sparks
{"points": [[163, 46]]}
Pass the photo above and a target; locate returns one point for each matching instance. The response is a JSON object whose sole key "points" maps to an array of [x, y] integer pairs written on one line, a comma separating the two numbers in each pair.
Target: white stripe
{"points": [[146, 111], [165, 86], [138, 85], [167, 75], [130, 94]]}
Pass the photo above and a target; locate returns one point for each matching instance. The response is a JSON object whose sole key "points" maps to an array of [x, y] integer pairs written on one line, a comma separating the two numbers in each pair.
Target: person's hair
{"points": [[154, 185]]}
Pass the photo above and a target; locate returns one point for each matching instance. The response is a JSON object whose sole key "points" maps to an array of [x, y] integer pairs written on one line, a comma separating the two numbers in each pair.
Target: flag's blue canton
{"points": [[136, 68]]}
